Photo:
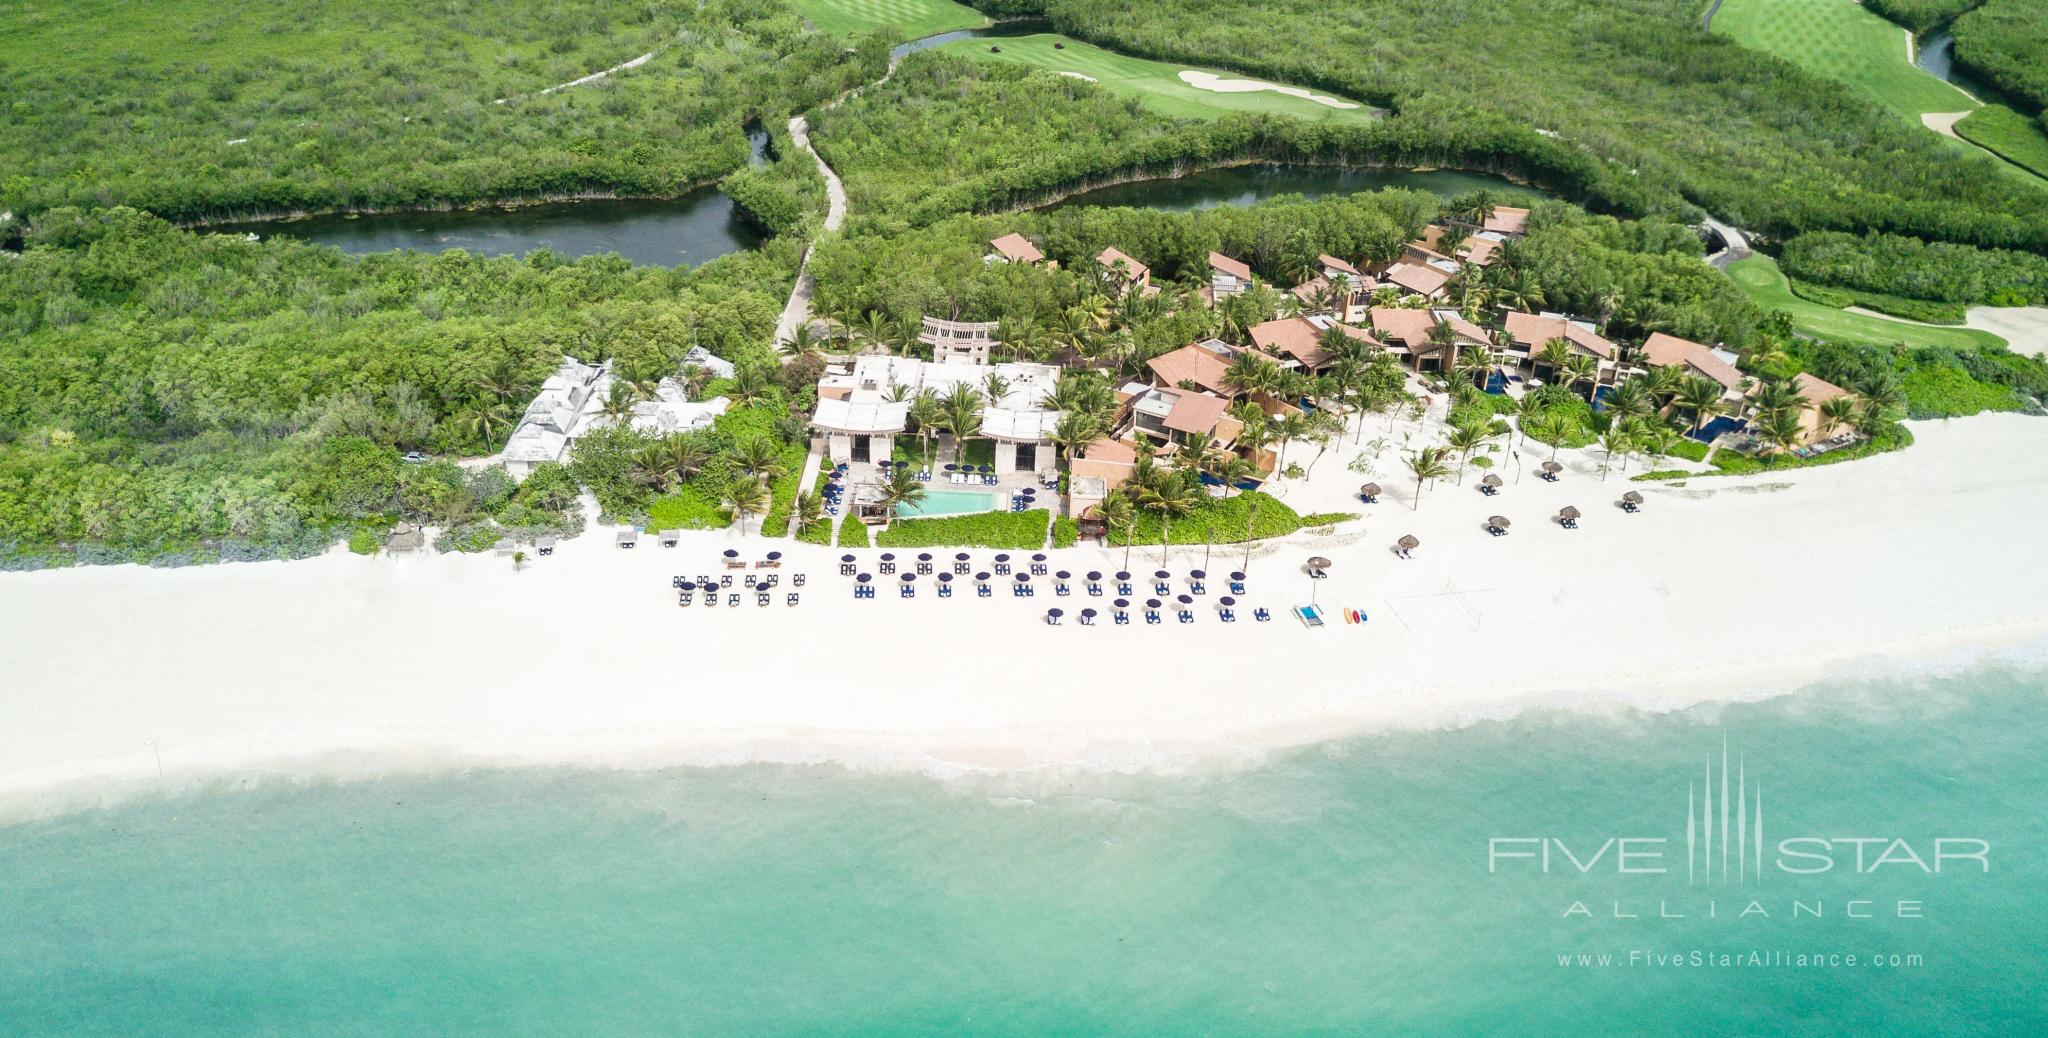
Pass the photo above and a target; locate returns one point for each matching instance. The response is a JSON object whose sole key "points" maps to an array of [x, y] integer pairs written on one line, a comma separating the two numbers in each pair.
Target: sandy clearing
{"points": [[1212, 81]]}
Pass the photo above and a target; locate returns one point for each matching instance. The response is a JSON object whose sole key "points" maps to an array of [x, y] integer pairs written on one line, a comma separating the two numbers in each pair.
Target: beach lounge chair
{"points": [[945, 591], [735, 564], [1187, 616], [1228, 616], [906, 590], [725, 580], [732, 599], [1002, 569], [627, 539], [546, 546], [1261, 615], [791, 598], [684, 598], [1310, 615], [1160, 587], [1122, 617], [677, 582], [1017, 590], [1087, 620], [1237, 587], [1030, 590], [710, 597], [761, 598], [1124, 588], [1196, 587], [1053, 618], [1151, 616], [671, 538], [750, 581], [1631, 501], [1061, 590], [888, 568], [924, 567], [984, 590], [798, 580], [1094, 590]]}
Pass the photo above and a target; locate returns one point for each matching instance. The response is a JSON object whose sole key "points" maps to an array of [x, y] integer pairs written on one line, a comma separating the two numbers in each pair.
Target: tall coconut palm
{"points": [[1618, 437], [1074, 429], [1779, 398], [928, 412], [901, 488], [684, 455], [1425, 465], [1781, 429], [1883, 392], [1119, 516], [802, 343], [1287, 427], [759, 457], [745, 497], [1583, 370], [1631, 399], [809, 509], [1554, 355], [1701, 397], [1465, 439], [963, 418], [1176, 493]]}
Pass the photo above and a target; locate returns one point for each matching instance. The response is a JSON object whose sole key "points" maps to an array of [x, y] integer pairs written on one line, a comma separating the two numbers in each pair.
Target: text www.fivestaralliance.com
{"points": [[1744, 958]]}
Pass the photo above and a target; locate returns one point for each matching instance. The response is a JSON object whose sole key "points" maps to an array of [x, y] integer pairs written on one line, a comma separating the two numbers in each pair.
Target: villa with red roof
{"points": [[1670, 351], [1015, 248]]}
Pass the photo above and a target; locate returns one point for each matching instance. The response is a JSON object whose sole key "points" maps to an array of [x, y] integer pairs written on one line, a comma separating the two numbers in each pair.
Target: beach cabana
{"points": [[1631, 501], [1052, 616], [546, 545], [627, 538], [504, 546], [1568, 517], [1550, 470], [671, 538], [1496, 525], [1406, 544], [1369, 493], [1490, 485], [1088, 617]]}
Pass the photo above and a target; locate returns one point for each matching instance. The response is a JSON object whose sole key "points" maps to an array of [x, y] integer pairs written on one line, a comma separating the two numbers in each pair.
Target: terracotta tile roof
{"points": [[1532, 331], [1115, 452], [1423, 281], [1816, 390], [1479, 250], [1294, 337], [1467, 329], [1017, 249], [1190, 364], [1410, 328], [1508, 220], [1224, 264], [1109, 257], [1664, 351], [1195, 413], [1308, 290], [1330, 262]]}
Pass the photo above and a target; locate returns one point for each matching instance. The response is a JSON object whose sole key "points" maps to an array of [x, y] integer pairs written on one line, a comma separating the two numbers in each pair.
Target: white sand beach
{"points": [[123, 678], [1224, 85]]}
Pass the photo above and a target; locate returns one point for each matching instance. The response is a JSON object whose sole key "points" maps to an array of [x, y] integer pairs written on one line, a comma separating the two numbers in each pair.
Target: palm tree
{"points": [[1074, 429], [650, 467], [501, 383], [759, 457], [1617, 438], [1702, 397], [1780, 398], [518, 561], [809, 509], [1249, 373], [1465, 439], [1782, 429], [1527, 411], [963, 418], [1883, 394], [618, 404], [929, 412], [802, 343], [1554, 355], [1583, 369], [901, 489], [1118, 514], [485, 419], [1630, 399], [1173, 494], [1285, 428], [1473, 366], [745, 497], [1425, 465]]}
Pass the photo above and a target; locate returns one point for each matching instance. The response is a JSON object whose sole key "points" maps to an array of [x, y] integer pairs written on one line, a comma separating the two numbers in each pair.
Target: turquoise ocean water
{"points": [[1337, 890]]}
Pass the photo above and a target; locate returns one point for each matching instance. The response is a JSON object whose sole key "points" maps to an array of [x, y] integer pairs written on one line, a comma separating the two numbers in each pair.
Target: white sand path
{"points": [[1211, 81], [123, 678]]}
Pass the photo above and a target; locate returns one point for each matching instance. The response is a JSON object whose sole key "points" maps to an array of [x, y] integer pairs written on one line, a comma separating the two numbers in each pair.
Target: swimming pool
{"points": [[952, 502]]}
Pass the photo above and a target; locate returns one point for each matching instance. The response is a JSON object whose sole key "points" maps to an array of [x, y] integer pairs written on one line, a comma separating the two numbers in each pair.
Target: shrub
{"points": [[1221, 520], [1065, 532], [364, 541], [686, 509], [1022, 530]]}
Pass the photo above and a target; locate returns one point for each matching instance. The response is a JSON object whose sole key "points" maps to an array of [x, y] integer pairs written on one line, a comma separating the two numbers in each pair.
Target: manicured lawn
{"points": [[1844, 41], [1765, 285], [2000, 129], [1155, 83], [910, 18]]}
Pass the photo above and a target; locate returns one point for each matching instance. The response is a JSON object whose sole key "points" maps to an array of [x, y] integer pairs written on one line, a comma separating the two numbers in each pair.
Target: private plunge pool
{"points": [[952, 502]]}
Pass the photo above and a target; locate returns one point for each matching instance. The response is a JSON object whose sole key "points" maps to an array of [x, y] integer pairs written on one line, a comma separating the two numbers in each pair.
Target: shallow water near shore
{"points": [[1343, 888]]}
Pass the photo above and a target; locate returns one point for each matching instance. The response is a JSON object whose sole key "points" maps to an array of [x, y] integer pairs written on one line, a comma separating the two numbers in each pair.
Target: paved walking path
{"points": [[812, 463], [798, 309]]}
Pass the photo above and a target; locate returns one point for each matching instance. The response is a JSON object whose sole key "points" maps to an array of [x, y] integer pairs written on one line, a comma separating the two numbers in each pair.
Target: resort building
{"points": [[1479, 249], [1357, 288], [1416, 279], [1014, 248], [566, 403], [1201, 365], [863, 406], [1670, 351], [1507, 221], [1412, 334], [1227, 277], [1168, 417], [958, 342], [1297, 342], [672, 411], [714, 365], [1125, 272], [1817, 391], [1529, 334]]}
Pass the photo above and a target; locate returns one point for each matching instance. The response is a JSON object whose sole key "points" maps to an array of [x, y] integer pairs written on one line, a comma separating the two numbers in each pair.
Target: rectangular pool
{"points": [[954, 502]]}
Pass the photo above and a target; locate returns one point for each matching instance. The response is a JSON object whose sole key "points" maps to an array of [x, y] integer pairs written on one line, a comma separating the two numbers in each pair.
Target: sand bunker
{"points": [[1079, 76], [1212, 81]]}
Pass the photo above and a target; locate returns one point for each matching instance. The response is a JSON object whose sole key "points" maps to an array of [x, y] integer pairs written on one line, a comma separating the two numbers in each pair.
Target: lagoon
{"points": [[1247, 185]]}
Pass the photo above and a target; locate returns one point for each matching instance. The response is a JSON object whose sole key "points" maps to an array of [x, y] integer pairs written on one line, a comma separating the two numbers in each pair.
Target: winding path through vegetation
{"points": [[798, 309]]}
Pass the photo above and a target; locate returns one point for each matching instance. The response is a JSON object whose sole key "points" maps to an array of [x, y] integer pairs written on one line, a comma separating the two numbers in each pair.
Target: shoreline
{"points": [[127, 680], [509, 202]]}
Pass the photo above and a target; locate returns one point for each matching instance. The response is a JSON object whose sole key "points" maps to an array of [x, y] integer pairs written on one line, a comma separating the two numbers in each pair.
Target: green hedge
{"points": [[783, 491], [819, 532], [1220, 520], [1065, 532], [1021, 530], [1922, 310], [686, 509], [1893, 437]]}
